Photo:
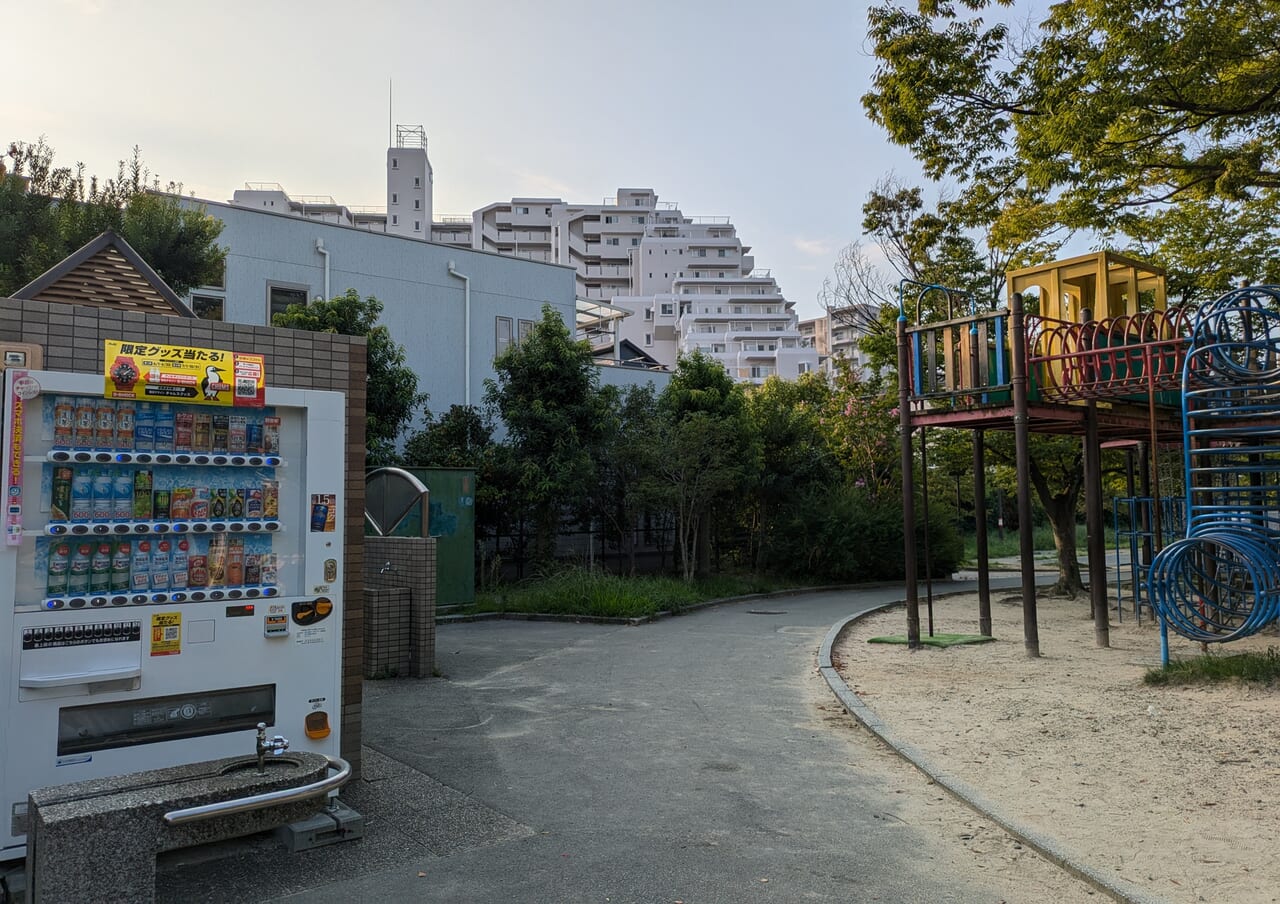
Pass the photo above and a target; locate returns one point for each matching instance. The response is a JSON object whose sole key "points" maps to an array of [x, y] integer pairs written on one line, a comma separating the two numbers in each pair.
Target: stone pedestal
{"points": [[97, 840]]}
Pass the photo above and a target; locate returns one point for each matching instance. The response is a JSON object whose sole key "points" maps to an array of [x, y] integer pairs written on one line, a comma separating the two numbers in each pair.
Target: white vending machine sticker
{"points": [[314, 634]]}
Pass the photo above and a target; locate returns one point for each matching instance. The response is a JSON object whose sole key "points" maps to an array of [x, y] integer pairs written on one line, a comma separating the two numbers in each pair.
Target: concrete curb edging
{"points": [[1120, 889]]}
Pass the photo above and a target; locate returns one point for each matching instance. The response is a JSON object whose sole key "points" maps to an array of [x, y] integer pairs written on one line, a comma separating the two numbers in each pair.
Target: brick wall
{"points": [[406, 562], [72, 337], [387, 637]]}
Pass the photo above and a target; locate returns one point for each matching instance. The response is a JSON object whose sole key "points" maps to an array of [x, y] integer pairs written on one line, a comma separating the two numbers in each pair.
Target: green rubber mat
{"points": [[937, 640]]}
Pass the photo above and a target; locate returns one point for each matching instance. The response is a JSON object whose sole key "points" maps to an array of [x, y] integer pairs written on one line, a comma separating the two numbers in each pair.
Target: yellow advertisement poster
{"points": [[166, 634], [175, 373]]}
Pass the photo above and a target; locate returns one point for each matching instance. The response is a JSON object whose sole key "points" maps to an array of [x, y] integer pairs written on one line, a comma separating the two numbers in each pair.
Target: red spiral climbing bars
{"points": [[1123, 356]]}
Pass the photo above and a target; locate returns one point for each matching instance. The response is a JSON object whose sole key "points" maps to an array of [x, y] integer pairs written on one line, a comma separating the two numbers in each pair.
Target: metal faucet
{"points": [[277, 745], [386, 568]]}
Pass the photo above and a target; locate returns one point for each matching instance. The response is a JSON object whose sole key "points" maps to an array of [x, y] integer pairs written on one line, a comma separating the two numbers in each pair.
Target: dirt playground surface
{"points": [[1175, 789]]}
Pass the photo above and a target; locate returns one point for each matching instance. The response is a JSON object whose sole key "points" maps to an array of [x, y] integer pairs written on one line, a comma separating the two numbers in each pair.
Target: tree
{"points": [[48, 212], [711, 452], [788, 416], [950, 244], [459, 438], [393, 393], [546, 393], [1108, 107], [628, 455]]}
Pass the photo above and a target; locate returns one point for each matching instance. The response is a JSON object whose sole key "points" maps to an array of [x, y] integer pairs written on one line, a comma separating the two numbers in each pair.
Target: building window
{"points": [[648, 338], [610, 219], [395, 220], [501, 335], [724, 253], [635, 242], [417, 225], [546, 211], [668, 308], [525, 330], [280, 297], [522, 210], [612, 241], [417, 182], [804, 367], [207, 307], [417, 204], [648, 313], [395, 163], [395, 198], [639, 220]]}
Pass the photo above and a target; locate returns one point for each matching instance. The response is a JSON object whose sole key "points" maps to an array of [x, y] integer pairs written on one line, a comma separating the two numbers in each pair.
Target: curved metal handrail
{"points": [[267, 799]]}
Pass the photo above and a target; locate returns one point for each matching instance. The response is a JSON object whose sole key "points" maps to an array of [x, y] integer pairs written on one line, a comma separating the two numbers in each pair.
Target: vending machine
{"points": [[171, 573]]}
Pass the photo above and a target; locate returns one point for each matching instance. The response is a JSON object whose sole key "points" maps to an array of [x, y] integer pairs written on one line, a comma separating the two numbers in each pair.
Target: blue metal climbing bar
{"points": [[1222, 581]]}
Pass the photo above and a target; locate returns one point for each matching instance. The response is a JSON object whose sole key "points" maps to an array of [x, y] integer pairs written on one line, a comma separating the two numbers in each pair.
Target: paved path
{"points": [[678, 761]]}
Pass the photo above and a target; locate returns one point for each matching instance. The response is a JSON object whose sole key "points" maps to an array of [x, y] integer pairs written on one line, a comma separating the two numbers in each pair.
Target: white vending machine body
{"points": [[171, 575]]}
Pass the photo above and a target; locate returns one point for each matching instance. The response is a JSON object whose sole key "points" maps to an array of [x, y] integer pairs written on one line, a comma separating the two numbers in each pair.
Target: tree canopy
{"points": [[393, 395], [47, 212], [546, 393], [1103, 108]]}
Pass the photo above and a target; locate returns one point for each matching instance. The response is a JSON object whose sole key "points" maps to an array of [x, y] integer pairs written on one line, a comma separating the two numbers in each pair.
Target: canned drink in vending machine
{"points": [[103, 496], [78, 572], [60, 498], [82, 495], [104, 429], [221, 431], [64, 422], [183, 431], [59, 566], [140, 578], [121, 562], [122, 493], [86, 424], [164, 428], [100, 568], [179, 562], [201, 432], [126, 415]]}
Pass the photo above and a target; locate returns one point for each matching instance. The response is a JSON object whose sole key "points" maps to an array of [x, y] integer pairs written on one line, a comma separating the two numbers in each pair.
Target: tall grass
{"points": [[1263, 668], [580, 592]]}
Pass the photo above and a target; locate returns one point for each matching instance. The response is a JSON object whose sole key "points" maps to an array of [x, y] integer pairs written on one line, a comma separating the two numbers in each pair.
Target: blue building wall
{"points": [[423, 305]]}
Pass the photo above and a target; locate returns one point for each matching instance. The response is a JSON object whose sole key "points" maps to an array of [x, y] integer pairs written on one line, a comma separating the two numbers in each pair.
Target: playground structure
{"points": [[1118, 379]]}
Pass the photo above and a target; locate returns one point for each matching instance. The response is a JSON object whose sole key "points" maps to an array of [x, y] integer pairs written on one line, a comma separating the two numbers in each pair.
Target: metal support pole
{"points": [[908, 487], [1094, 518], [1022, 459], [924, 510], [980, 524]]}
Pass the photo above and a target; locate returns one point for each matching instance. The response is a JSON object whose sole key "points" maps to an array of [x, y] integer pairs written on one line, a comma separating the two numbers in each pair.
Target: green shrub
{"points": [[850, 536], [575, 591]]}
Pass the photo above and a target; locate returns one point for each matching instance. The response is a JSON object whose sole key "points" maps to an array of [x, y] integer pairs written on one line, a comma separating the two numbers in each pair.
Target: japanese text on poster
{"points": [[175, 373]]}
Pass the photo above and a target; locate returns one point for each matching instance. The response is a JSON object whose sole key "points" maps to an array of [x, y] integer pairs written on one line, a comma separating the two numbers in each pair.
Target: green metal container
{"points": [[453, 524]]}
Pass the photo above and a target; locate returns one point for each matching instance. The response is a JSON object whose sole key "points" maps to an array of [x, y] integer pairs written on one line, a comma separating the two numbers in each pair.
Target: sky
{"points": [[748, 109]]}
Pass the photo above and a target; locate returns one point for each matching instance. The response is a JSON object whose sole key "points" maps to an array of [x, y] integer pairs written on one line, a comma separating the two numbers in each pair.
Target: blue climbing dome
{"points": [[1222, 581]]}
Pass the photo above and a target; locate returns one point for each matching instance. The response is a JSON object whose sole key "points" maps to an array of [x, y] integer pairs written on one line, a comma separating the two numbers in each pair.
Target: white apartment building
{"points": [[648, 277], [837, 334]]}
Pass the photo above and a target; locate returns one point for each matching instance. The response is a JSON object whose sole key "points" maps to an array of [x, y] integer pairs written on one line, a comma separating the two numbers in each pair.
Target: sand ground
{"points": [[1175, 789]]}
